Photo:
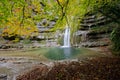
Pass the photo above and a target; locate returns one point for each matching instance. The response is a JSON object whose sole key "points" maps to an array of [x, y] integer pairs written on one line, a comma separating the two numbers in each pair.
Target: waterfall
{"points": [[67, 37]]}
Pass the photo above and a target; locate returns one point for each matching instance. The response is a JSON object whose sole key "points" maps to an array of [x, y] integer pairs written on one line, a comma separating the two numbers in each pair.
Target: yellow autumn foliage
{"points": [[13, 27], [36, 5], [62, 1]]}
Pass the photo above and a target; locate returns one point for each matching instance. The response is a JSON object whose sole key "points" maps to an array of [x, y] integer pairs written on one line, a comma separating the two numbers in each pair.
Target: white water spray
{"points": [[67, 37]]}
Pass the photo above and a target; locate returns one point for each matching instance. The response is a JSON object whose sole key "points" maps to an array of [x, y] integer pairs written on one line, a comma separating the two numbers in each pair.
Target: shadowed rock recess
{"points": [[94, 31], [102, 68]]}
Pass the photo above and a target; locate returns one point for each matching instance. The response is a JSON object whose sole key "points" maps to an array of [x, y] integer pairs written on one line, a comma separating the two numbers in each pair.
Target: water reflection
{"points": [[62, 53], [67, 52]]}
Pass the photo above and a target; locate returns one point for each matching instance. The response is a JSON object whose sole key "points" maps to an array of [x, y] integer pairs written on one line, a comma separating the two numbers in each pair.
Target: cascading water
{"points": [[67, 37]]}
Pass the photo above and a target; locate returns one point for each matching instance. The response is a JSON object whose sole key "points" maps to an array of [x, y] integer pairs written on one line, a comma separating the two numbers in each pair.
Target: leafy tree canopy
{"points": [[21, 16]]}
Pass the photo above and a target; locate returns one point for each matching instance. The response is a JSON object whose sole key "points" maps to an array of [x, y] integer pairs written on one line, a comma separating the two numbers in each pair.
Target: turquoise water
{"points": [[62, 53]]}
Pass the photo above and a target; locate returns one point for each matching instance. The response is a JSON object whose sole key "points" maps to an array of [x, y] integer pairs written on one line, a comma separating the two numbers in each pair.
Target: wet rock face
{"points": [[3, 77], [93, 38], [10, 46], [45, 34], [4, 46], [45, 25], [10, 67], [44, 29]]}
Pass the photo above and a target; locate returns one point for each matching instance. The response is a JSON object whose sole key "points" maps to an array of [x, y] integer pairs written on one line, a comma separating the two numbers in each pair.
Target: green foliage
{"points": [[19, 17], [110, 9], [108, 27], [16, 40], [27, 41], [60, 41], [71, 13], [115, 37]]}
